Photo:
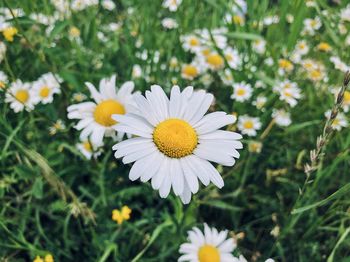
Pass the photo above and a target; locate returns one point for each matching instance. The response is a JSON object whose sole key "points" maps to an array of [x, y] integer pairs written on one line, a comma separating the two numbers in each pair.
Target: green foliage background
{"points": [[36, 209]]}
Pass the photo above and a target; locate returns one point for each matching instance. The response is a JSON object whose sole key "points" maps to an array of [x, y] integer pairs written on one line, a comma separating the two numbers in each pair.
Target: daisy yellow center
{"points": [[336, 122], [229, 57], [315, 74], [87, 146], [190, 70], [215, 60], [104, 111], [347, 97], [238, 20], [208, 253], [285, 64], [194, 41], [287, 93], [324, 47], [2, 84], [240, 92], [206, 52], [44, 92], [22, 96], [248, 124], [175, 138]]}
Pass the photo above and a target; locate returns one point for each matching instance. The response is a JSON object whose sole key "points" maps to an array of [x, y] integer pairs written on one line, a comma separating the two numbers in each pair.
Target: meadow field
{"points": [[174, 130]]}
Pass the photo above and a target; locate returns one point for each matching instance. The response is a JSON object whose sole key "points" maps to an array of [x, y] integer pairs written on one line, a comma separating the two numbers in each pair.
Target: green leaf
{"points": [[244, 36], [222, 205], [340, 192], [37, 189]]}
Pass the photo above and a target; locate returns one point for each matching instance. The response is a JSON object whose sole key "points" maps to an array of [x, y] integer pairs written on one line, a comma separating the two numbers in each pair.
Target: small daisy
{"points": [[169, 23], [191, 43], [241, 92], [215, 61], [190, 71], [210, 246], [260, 102], [79, 97], [56, 127], [248, 125], [255, 147], [3, 80], [20, 96], [346, 101], [259, 46], [281, 117], [95, 117], [136, 71], [339, 64], [288, 92], [45, 88], [302, 48], [88, 149], [339, 122], [176, 140], [311, 25], [226, 76], [108, 4], [345, 14], [232, 57], [172, 5], [285, 66]]}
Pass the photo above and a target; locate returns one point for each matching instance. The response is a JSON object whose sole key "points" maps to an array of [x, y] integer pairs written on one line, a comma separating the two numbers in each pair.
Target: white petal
{"points": [[208, 99], [97, 136], [134, 121], [175, 102], [186, 194], [158, 178], [176, 176], [138, 155], [164, 189], [130, 130], [221, 135], [94, 93], [153, 168], [131, 142], [209, 126], [213, 155], [190, 177], [193, 162]]}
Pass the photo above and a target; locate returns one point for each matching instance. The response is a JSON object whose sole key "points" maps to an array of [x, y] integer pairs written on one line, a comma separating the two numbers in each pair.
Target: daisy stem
{"points": [[268, 129]]}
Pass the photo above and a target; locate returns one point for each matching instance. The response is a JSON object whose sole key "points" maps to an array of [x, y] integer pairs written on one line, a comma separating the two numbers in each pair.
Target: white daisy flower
{"points": [[345, 14], [190, 71], [232, 57], [288, 92], [20, 96], [260, 102], [88, 149], [3, 80], [108, 4], [95, 117], [210, 246], [241, 91], [339, 122], [172, 5], [281, 117], [311, 25], [215, 61], [169, 23], [136, 71], [176, 141], [226, 76], [339, 64], [302, 48], [248, 125], [259, 46], [191, 43], [45, 87]]}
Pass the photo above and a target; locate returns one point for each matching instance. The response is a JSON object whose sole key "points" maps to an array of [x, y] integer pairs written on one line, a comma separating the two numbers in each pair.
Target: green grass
{"points": [[43, 178]]}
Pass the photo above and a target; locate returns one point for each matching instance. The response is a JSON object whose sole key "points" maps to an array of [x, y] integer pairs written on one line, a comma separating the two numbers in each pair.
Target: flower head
{"points": [[176, 140], [121, 215], [96, 117], [208, 246]]}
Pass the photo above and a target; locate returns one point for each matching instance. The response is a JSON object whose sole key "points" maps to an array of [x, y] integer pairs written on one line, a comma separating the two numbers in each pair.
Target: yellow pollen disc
{"points": [[206, 52], [87, 146], [194, 41], [208, 253], [2, 84], [285, 64], [22, 95], [215, 60], [315, 74], [175, 138], [9, 33], [336, 122], [248, 124], [287, 93], [190, 70], [324, 47], [229, 57], [240, 92], [347, 97], [104, 111], [44, 92]]}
